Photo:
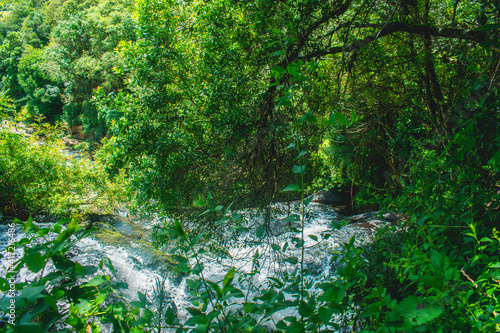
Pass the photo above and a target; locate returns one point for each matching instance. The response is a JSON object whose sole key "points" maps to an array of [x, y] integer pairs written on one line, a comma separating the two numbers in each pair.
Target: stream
{"points": [[127, 242]]}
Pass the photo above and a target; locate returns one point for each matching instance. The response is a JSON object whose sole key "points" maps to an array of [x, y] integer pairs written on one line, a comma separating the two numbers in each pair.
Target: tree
{"points": [[219, 86], [75, 43], [42, 94]]}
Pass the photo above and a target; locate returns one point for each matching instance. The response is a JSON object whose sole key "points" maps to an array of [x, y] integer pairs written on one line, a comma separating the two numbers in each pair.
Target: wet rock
{"points": [[330, 197], [374, 220]]}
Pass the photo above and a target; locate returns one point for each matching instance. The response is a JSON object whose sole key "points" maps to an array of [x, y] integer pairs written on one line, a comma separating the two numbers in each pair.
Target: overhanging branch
{"points": [[395, 27]]}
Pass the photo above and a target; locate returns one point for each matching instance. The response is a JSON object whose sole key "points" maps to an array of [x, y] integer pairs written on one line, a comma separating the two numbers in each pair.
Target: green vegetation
{"points": [[259, 101], [55, 53], [38, 177]]}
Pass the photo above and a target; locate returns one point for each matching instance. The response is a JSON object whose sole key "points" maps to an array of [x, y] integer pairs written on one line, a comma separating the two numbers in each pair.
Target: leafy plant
{"points": [[61, 294], [37, 176]]}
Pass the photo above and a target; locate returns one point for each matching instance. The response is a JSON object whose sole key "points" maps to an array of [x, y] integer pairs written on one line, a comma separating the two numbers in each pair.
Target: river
{"points": [[127, 242]]}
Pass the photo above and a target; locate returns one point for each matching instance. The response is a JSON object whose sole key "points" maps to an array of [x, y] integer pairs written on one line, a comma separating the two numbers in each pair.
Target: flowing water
{"points": [[127, 243]]}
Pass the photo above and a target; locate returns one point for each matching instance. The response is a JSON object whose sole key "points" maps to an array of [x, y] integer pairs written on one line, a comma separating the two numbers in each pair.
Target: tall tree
{"points": [[218, 88]]}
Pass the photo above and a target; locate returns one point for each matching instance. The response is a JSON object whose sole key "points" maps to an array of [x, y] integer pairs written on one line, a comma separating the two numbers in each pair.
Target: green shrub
{"points": [[38, 176]]}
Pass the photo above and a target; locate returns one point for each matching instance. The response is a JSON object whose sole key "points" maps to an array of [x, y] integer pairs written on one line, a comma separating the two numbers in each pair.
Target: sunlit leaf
{"points": [[97, 280], [228, 278]]}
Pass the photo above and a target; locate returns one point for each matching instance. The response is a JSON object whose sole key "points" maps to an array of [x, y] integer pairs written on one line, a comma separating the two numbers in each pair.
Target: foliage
{"points": [[37, 176], [207, 105], [55, 53], [444, 262], [240, 99], [63, 294], [42, 97]]}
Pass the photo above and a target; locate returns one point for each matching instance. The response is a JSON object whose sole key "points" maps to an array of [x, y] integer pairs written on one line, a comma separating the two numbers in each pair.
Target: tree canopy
{"points": [[218, 90]]}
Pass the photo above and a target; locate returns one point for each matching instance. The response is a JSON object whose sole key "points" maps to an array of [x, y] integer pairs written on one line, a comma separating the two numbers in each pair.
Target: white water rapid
{"points": [[139, 264]]}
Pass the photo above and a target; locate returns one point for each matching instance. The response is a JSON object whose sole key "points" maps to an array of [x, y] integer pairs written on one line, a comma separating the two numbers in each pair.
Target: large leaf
{"points": [[83, 306], [35, 262], [416, 311], [32, 293]]}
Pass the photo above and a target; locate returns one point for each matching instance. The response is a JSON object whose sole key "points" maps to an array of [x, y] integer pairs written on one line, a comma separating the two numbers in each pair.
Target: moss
{"points": [[112, 237], [115, 238]]}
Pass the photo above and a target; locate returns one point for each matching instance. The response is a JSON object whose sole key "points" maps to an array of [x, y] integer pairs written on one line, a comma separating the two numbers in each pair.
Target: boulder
{"points": [[78, 133], [330, 197]]}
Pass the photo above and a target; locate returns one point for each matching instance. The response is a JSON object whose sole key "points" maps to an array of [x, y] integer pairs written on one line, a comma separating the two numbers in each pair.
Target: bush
{"points": [[38, 176]]}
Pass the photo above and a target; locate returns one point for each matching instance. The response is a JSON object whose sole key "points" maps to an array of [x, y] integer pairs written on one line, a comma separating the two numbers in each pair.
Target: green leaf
{"points": [[278, 283], [226, 211], [136, 304], [417, 311], [291, 218], [295, 328], [205, 212], [305, 310], [200, 202], [196, 238], [184, 268], [314, 237], [228, 278], [325, 314], [221, 221], [291, 260], [83, 306], [299, 242], [29, 226], [236, 217], [198, 268], [32, 293], [29, 328], [100, 298], [35, 262], [260, 231], [291, 188], [143, 299], [298, 170], [275, 247], [308, 200], [256, 255], [495, 162], [97, 280], [293, 69], [169, 316], [302, 153], [180, 230], [141, 321], [283, 102], [291, 145]]}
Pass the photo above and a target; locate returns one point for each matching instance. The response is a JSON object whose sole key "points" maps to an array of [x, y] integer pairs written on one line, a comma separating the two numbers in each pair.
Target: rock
{"points": [[373, 220], [78, 133], [330, 197]]}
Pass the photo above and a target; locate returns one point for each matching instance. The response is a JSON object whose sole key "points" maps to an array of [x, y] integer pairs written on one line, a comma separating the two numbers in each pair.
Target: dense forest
{"points": [[229, 104]]}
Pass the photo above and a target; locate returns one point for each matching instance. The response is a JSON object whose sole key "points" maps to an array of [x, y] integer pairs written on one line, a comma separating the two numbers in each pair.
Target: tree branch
{"points": [[391, 28]]}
